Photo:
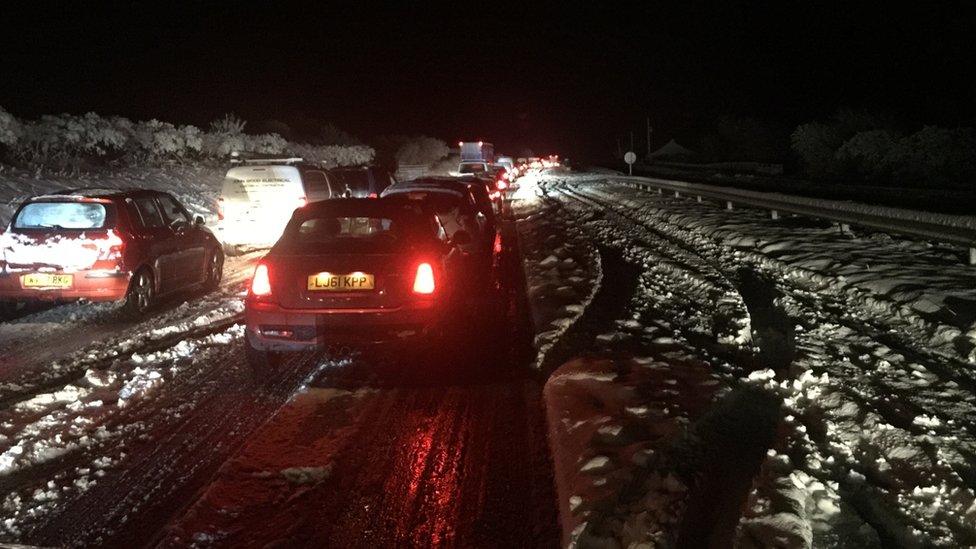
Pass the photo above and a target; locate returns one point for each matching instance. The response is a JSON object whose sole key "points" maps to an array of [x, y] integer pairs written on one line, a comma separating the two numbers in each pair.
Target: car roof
{"points": [[365, 207], [429, 184], [96, 193]]}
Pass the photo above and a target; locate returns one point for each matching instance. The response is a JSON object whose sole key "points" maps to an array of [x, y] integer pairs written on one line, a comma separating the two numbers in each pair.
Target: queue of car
{"points": [[354, 255]]}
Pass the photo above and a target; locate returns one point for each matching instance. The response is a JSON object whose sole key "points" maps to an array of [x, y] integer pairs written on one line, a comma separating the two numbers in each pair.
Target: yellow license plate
{"points": [[45, 280], [329, 282]]}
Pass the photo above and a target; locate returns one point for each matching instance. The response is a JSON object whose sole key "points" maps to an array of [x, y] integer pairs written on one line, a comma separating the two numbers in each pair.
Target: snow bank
{"points": [[877, 405], [562, 266]]}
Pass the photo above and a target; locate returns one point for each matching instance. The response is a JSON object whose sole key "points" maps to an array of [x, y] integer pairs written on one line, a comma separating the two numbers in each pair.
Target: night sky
{"points": [[549, 78]]}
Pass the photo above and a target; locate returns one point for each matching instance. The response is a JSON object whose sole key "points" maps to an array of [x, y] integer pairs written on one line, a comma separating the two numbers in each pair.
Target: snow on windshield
{"points": [[64, 215]]}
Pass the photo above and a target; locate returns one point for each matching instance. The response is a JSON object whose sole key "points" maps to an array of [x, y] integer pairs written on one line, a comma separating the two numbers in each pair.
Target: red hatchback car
{"points": [[106, 245], [351, 270]]}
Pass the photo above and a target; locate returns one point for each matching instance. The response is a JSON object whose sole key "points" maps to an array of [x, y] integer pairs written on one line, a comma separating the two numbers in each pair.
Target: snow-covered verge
{"points": [[872, 443], [919, 288], [91, 424], [562, 267]]}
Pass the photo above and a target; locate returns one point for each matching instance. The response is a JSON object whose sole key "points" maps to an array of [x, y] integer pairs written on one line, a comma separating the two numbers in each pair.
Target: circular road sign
{"points": [[630, 158]]}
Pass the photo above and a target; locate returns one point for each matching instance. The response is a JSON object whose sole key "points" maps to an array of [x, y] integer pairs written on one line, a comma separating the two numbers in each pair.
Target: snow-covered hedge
{"points": [[854, 144], [422, 150], [63, 138], [333, 154], [10, 129]]}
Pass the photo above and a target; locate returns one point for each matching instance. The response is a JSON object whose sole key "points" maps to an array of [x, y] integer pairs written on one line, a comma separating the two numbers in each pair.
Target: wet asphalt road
{"points": [[391, 447]]}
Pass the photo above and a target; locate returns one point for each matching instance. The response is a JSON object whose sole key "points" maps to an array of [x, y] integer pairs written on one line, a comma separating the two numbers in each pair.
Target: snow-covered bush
{"points": [[230, 123], [934, 155], [10, 129], [333, 154], [815, 144], [422, 150], [220, 145], [57, 140], [266, 143], [64, 136], [162, 139], [865, 153]]}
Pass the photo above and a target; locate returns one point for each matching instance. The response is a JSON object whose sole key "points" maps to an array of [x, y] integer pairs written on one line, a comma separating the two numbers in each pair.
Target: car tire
{"points": [[263, 363], [141, 295], [215, 270]]}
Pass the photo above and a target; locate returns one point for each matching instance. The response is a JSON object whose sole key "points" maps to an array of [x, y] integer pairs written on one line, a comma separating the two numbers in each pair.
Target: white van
{"points": [[257, 200]]}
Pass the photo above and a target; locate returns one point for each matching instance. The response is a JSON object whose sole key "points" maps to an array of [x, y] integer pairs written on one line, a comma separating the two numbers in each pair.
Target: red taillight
{"points": [[220, 209], [261, 283], [423, 282], [501, 185], [373, 195]]}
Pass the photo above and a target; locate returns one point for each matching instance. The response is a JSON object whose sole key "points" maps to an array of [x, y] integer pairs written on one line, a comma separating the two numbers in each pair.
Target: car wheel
{"points": [[140, 296], [215, 270], [263, 363]]}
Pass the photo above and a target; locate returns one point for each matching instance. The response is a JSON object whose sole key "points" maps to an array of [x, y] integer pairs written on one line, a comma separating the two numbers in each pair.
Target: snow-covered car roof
{"points": [[428, 184]]}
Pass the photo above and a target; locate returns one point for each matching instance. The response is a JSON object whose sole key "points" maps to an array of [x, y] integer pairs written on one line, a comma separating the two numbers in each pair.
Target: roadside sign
{"points": [[630, 158]]}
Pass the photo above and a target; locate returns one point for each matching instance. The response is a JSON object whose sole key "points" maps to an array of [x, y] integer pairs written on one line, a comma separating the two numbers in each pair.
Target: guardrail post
{"points": [[699, 198], [728, 205], [660, 190], [677, 194], [972, 256], [845, 228], [773, 214]]}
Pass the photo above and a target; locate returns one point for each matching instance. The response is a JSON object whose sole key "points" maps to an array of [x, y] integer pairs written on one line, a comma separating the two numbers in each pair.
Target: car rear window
{"points": [[329, 228], [62, 215], [472, 168]]}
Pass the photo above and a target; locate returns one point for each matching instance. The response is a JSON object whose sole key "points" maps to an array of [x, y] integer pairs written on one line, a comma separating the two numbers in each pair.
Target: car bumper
{"points": [[272, 328], [90, 285]]}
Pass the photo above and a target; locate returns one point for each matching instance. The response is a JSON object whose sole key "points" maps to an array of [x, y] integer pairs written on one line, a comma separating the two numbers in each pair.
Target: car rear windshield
{"points": [[62, 215], [343, 232], [355, 180], [438, 202], [327, 229], [472, 168]]}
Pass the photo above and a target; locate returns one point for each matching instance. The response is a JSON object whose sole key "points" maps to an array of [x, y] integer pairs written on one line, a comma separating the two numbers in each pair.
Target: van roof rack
{"points": [[246, 158]]}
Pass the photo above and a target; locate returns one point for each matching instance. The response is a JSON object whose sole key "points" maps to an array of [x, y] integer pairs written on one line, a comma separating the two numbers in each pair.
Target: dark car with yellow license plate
{"points": [[106, 245], [350, 271]]}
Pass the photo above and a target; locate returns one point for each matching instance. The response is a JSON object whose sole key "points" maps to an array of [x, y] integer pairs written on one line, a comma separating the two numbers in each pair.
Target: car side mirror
{"points": [[199, 220], [461, 238]]}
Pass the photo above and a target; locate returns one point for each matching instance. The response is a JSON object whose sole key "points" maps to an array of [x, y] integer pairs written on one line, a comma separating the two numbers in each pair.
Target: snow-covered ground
{"points": [[855, 349]]}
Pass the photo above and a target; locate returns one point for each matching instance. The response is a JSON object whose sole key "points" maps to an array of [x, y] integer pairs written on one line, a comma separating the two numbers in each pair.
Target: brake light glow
{"points": [[302, 202], [423, 282], [501, 184], [261, 283], [220, 209]]}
